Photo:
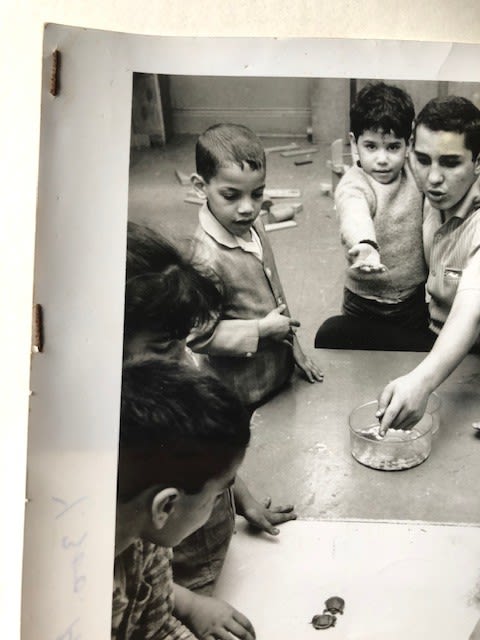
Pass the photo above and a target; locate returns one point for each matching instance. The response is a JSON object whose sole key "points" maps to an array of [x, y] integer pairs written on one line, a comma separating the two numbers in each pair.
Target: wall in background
{"points": [[274, 106]]}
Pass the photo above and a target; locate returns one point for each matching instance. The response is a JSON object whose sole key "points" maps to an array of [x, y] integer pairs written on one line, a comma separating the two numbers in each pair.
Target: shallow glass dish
{"points": [[399, 449], [433, 408]]}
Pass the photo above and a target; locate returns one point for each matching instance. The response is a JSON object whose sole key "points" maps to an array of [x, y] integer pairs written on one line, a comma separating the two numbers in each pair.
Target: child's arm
{"points": [[355, 202], [403, 401], [308, 366], [210, 617], [239, 337], [263, 517]]}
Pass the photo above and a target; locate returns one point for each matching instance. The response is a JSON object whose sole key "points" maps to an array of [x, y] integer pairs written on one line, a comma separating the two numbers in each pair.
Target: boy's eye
{"points": [[421, 159], [370, 146], [257, 195], [229, 195], [450, 163], [394, 147]]}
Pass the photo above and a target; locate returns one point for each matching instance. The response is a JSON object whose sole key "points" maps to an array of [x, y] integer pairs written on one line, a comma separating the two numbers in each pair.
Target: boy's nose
{"points": [[381, 157], [435, 175], [245, 206]]}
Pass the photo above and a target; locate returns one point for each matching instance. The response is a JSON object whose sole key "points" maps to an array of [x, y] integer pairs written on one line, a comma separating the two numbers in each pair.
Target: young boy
{"points": [[183, 436], [252, 344], [380, 211]]}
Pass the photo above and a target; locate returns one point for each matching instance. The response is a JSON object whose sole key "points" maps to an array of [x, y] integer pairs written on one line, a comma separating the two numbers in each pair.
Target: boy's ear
{"points": [[353, 148], [477, 166], [198, 184], [163, 505]]}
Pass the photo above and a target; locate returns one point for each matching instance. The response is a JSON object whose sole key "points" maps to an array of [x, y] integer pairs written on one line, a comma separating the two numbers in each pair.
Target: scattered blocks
{"points": [[275, 226], [282, 193], [284, 147], [299, 152]]}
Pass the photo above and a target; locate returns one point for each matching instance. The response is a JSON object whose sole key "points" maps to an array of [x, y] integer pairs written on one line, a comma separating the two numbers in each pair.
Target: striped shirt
{"points": [[452, 251], [253, 367], [143, 595]]}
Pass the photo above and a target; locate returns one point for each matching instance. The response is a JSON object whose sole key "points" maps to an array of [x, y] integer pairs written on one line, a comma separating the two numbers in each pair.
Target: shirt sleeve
{"points": [[355, 202], [226, 338], [470, 279], [158, 621]]}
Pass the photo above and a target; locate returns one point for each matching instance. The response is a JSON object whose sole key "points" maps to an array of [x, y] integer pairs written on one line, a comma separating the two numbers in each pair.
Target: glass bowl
{"points": [[399, 449], [433, 408]]}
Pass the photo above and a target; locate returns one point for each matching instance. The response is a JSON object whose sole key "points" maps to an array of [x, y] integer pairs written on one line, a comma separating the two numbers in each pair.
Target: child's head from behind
{"points": [[166, 296], [183, 435], [381, 121], [230, 173]]}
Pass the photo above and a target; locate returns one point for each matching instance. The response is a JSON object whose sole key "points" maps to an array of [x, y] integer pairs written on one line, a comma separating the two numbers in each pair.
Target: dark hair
{"points": [[164, 293], [179, 427], [456, 114], [384, 107], [225, 143]]}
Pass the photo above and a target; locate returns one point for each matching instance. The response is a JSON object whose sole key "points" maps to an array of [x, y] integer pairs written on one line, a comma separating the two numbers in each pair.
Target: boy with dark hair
{"points": [[446, 161], [252, 345], [166, 295], [183, 436], [380, 211]]}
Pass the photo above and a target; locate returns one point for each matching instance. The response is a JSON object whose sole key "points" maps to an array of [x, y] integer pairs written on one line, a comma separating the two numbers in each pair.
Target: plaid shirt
{"points": [[143, 595], [254, 367], [452, 251]]}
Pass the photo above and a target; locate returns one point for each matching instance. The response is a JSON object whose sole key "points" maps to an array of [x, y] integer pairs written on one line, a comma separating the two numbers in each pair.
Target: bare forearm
{"points": [[454, 342]]}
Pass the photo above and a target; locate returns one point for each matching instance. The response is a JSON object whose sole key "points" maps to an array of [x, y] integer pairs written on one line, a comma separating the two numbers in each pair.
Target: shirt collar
{"points": [[212, 226], [470, 202]]}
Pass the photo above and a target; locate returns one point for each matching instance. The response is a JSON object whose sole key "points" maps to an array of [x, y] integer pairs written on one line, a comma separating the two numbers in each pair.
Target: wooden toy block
{"points": [[183, 179], [194, 200], [276, 226], [282, 212], [298, 163], [299, 152], [283, 147], [282, 193]]}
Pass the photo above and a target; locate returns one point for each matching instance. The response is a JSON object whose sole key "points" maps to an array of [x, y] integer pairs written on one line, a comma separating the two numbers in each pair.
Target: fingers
{"points": [[294, 323], [383, 405], [245, 624], [281, 308]]}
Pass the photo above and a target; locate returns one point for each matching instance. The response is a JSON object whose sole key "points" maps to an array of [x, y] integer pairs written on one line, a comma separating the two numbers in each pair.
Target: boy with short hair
{"points": [[380, 211], [252, 344], [183, 436]]}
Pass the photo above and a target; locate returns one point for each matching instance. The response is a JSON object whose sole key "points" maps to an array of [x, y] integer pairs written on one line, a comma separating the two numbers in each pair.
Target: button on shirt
{"points": [[452, 251]]}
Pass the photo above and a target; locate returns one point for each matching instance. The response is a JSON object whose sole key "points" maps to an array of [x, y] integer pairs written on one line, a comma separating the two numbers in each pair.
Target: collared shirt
{"points": [[143, 595], [452, 251], [213, 227]]}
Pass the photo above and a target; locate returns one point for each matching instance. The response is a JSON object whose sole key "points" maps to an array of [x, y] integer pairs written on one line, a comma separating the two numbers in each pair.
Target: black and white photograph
{"points": [[289, 430]]}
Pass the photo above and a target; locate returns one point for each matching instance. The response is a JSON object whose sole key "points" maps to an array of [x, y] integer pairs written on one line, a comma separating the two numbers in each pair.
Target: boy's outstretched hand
{"points": [[365, 258], [265, 517], [308, 366], [213, 619]]}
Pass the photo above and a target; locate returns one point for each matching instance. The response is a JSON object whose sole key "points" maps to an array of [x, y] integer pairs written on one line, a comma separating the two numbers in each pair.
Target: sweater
{"points": [[391, 215]]}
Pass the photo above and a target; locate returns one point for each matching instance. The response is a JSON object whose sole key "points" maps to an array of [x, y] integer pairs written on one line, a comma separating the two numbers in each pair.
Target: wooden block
{"points": [[182, 178], [299, 152], [282, 212], [284, 147], [298, 163], [282, 193], [276, 226], [193, 200]]}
